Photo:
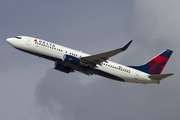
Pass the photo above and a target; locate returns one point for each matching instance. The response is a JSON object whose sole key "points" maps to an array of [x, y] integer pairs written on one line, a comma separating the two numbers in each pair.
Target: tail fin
{"points": [[156, 65]]}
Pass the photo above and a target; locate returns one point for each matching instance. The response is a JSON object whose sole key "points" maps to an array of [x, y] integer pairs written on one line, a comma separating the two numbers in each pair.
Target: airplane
{"points": [[68, 60]]}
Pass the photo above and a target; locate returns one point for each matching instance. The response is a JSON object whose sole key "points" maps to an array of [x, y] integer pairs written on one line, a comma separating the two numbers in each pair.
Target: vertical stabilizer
{"points": [[156, 65]]}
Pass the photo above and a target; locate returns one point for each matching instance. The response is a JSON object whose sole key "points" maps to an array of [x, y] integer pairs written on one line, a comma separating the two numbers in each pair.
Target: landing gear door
{"points": [[28, 42]]}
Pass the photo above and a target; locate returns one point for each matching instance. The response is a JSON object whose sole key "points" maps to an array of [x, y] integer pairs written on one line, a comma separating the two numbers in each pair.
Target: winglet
{"points": [[126, 46]]}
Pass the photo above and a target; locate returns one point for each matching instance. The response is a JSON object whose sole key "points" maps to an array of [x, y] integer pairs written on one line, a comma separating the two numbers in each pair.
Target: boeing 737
{"points": [[68, 60]]}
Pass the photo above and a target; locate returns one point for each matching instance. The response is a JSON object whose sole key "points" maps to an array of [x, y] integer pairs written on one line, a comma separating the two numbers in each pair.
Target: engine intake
{"points": [[62, 68]]}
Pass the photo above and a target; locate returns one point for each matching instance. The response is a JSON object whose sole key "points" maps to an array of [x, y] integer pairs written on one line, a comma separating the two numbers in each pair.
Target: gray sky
{"points": [[32, 89]]}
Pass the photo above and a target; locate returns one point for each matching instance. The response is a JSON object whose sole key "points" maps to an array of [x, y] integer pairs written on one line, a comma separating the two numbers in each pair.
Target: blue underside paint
{"points": [[96, 71]]}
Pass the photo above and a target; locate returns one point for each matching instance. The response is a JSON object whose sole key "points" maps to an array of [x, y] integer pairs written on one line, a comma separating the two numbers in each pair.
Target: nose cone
{"points": [[10, 40]]}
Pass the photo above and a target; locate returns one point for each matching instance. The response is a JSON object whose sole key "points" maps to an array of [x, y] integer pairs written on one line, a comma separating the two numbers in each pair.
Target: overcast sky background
{"points": [[31, 89]]}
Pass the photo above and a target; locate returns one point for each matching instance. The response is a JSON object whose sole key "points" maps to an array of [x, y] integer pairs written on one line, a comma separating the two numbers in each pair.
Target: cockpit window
{"points": [[18, 37]]}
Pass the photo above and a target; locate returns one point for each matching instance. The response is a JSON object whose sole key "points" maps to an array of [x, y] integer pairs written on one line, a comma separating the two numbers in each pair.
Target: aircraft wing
{"points": [[93, 60]]}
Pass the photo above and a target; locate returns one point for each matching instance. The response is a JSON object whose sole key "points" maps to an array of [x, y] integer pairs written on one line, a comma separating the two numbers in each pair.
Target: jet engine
{"points": [[62, 68], [74, 60], [71, 59]]}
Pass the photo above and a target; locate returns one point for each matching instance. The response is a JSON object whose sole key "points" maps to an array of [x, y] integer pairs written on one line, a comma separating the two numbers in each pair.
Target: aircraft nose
{"points": [[10, 40]]}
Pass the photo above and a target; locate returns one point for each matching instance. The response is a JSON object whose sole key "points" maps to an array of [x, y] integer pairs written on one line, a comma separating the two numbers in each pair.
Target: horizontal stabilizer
{"points": [[160, 76]]}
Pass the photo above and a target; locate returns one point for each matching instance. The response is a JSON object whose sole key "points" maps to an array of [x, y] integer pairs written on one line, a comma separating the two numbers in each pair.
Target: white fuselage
{"points": [[56, 53]]}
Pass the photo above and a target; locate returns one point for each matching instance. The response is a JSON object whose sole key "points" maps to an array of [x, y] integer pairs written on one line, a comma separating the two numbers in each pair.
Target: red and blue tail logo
{"points": [[156, 65]]}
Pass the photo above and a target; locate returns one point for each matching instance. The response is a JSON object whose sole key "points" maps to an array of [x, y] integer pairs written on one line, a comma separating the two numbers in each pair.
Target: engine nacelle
{"points": [[71, 59], [62, 68], [76, 61]]}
